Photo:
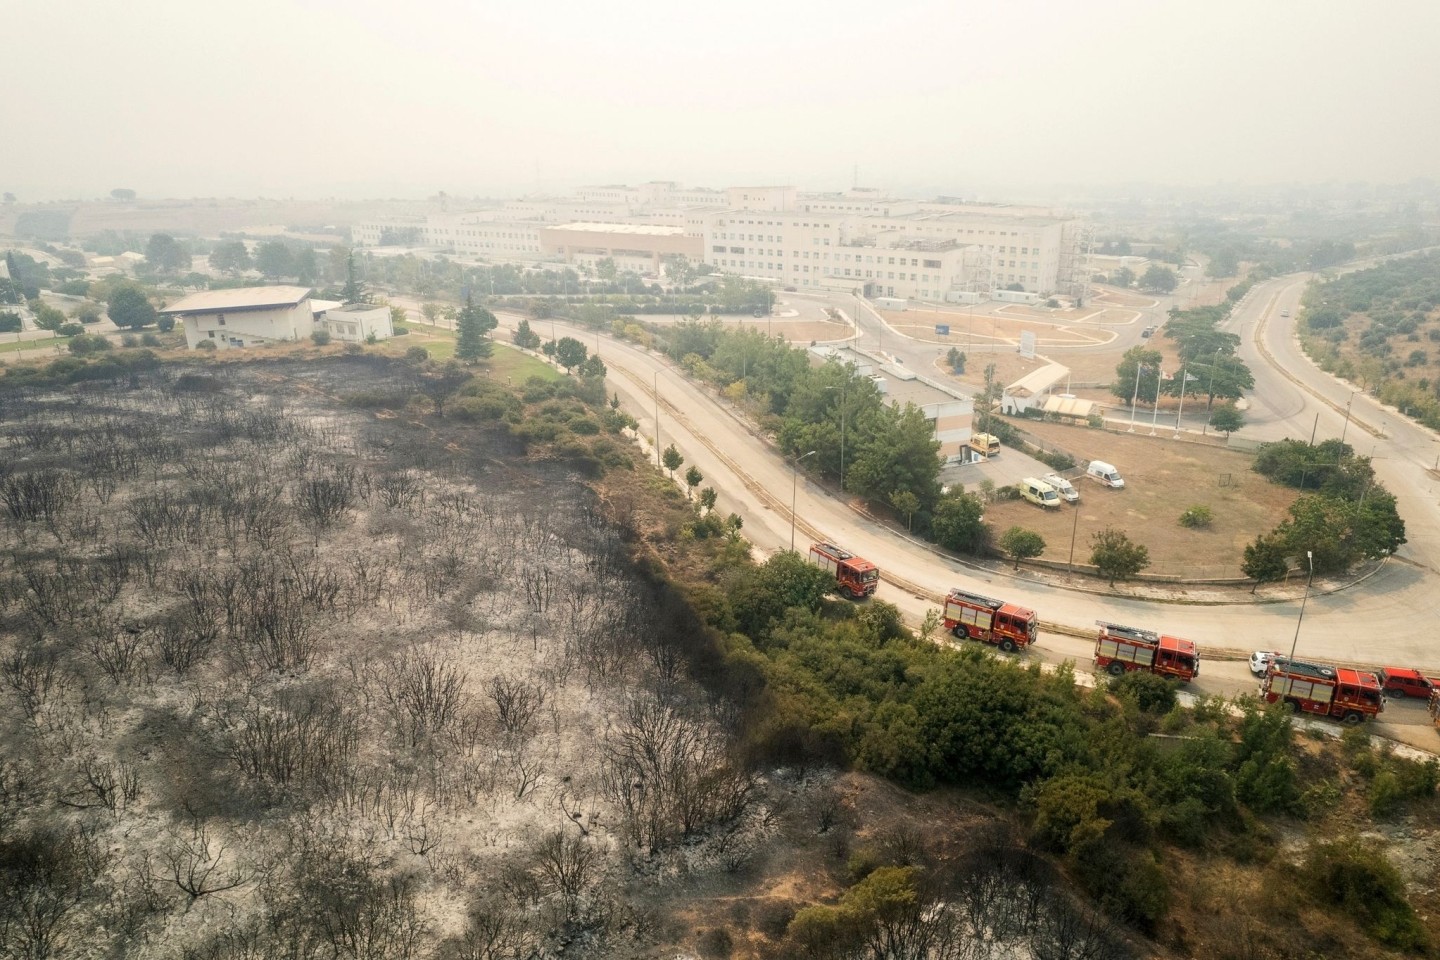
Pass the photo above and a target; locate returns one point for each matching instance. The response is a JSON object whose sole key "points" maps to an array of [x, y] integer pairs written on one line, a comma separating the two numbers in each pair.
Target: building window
{"points": [[220, 319]]}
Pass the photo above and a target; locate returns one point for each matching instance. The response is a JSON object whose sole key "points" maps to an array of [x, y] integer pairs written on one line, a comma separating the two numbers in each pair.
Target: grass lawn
{"points": [[519, 367]]}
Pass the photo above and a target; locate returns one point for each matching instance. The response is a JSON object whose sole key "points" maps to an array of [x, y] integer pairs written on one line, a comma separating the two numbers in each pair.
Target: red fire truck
{"points": [[854, 575], [1120, 649], [1006, 625], [1323, 690]]}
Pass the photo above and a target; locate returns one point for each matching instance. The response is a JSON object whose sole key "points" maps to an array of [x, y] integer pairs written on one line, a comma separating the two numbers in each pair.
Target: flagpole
{"points": [[1135, 396], [1155, 410], [1183, 375]]}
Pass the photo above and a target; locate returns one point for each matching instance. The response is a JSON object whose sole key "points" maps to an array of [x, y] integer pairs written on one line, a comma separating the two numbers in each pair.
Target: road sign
{"points": [[942, 329], [1027, 343]]}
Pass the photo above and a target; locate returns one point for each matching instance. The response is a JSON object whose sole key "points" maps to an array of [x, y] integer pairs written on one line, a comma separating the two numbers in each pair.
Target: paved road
{"points": [[755, 482]]}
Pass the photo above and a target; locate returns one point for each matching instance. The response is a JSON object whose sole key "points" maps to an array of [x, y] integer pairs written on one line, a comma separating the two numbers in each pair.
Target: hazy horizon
{"points": [[313, 98]]}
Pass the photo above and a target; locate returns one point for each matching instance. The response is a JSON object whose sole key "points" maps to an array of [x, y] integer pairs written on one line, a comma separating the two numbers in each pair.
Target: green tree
{"points": [[1122, 277], [671, 459], [906, 503], [1147, 361], [1225, 263], [274, 259], [354, 289], [439, 381], [708, 496], [1022, 544], [230, 256], [592, 368], [165, 254], [474, 322], [956, 359], [693, 479], [606, 270], [1158, 279], [1226, 418], [959, 525], [128, 307], [1265, 560], [678, 269], [306, 265], [525, 337], [46, 316], [895, 451], [570, 353], [10, 322], [763, 594], [1115, 556]]}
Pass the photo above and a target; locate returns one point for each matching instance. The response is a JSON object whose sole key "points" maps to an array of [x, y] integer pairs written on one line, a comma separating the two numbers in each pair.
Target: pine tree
{"points": [[473, 323], [354, 290]]}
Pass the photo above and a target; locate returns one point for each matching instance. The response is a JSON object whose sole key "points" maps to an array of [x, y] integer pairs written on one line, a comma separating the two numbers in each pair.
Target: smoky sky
{"points": [[317, 98]]}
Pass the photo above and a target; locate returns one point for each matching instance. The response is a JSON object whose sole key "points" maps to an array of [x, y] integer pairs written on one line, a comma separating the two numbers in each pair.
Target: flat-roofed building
{"points": [[632, 246], [244, 316], [352, 322]]}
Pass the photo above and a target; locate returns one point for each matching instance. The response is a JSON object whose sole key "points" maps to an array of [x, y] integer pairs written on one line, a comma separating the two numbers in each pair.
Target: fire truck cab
{"points": [[1322, 690], [1005, 625], [1120, 649], [854, 575]]}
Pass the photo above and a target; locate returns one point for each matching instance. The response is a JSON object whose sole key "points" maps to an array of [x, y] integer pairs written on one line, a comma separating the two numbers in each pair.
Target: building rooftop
{"points": [[641, 229], [240, 298]]}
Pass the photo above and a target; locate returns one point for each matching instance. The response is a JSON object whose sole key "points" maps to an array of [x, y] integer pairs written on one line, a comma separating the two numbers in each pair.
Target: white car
{"points": [[1260, 661]]}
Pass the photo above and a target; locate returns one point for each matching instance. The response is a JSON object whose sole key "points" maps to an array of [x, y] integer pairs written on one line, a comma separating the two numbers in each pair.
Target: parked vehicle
{"points": [[854, 575], [1105, 473], [1323, 690], [985, 444], [1064, 487], [1404, 682], [1039, 493], [1260, 661], [1148, 332], [1006, 625], [1120, 649]]}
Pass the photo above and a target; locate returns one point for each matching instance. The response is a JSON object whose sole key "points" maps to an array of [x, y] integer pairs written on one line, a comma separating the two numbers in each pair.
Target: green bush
{"points": [[165, 324], [321, 337], [1357, 878], [129, 340], [207, 345], [1150, 692], [71, 329], [1197, 517], [149, 339]]}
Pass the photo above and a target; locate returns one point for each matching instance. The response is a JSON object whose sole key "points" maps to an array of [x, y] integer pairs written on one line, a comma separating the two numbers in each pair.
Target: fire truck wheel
{"points": [[1116, 669], [959, 632], [1352, 718], [1007, 645], [1293, 706]]}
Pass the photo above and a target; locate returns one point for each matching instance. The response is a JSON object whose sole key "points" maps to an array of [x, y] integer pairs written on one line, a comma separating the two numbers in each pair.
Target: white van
{"points": [[1064, 487], [1105, 473], [1039, 493]]}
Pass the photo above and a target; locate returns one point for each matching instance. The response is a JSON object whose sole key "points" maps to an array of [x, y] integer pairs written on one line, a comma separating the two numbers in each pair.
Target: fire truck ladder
{"points": [[1129, 633], [978, 600]]}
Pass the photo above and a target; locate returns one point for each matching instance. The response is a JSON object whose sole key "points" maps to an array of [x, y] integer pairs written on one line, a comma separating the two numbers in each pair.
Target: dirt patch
{"points": [[1163, 477]]}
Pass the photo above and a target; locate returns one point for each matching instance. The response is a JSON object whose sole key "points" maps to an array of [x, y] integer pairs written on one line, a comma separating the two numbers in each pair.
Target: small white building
{"points": [[245, 316], [352, 322], [1032, 389]]}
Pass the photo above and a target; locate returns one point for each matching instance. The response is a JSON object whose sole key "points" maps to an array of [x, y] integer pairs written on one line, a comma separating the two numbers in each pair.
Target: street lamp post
{"points": [[794, 490], [1346, 428], [1310, 558], [655, 390]]}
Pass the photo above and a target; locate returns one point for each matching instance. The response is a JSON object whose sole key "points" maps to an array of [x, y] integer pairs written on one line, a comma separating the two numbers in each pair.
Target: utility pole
{"points": [[655, 389], [1181, 411], [1074, 528], [1135, 396]]}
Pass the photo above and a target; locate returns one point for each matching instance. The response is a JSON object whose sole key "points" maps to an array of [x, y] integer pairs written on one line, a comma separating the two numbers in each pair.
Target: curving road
{"points": [[1376, 623]]}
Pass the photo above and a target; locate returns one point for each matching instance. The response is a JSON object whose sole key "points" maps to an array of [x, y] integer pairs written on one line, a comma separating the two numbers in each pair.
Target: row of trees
{"points": [[1209, 364]]}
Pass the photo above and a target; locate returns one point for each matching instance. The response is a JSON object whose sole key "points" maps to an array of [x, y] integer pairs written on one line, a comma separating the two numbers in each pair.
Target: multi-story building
{"points": [[641, 248]]}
